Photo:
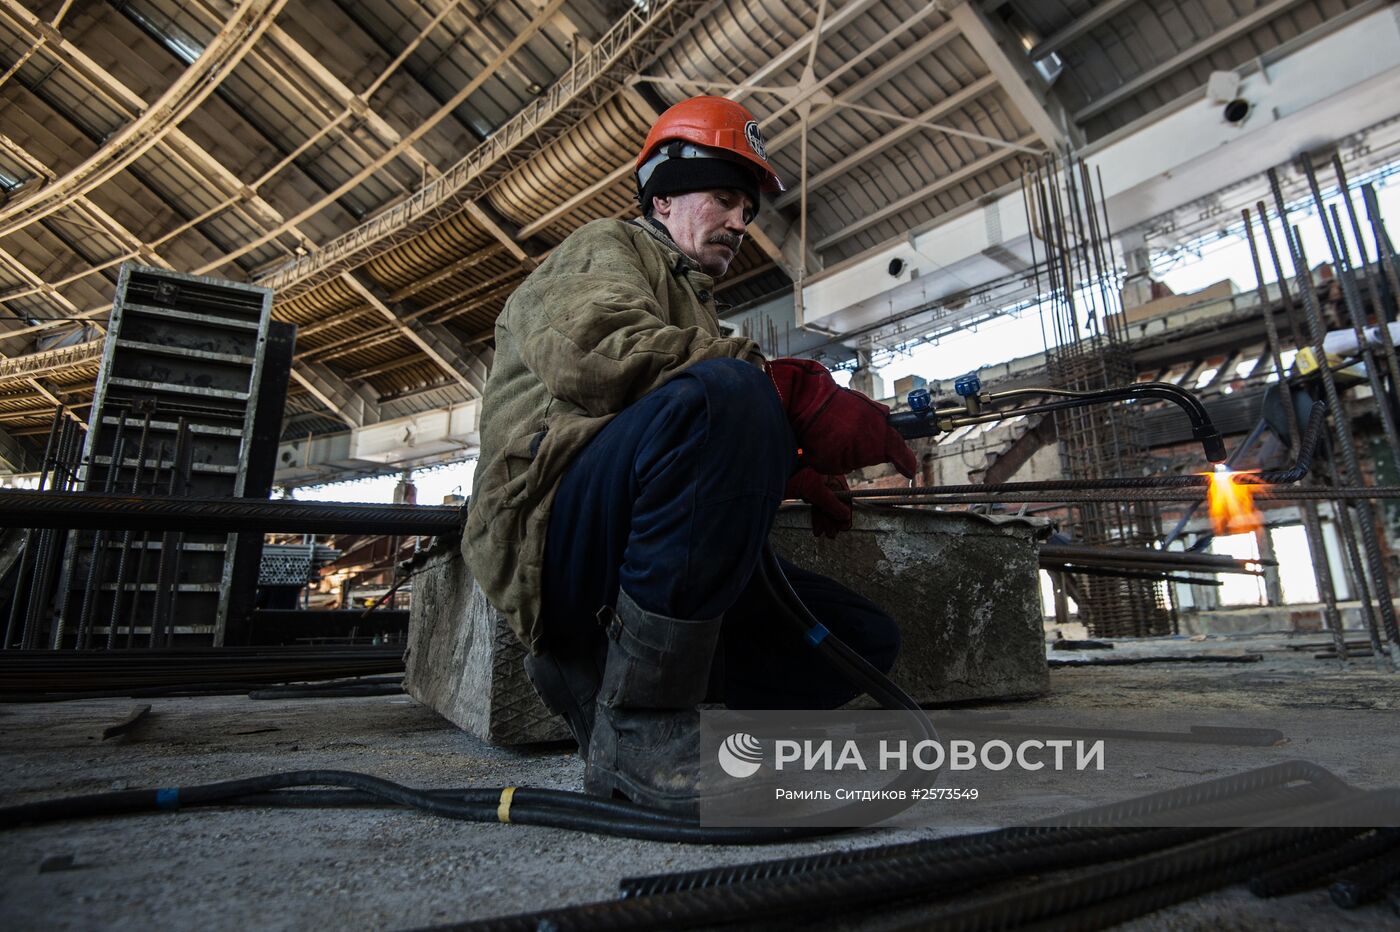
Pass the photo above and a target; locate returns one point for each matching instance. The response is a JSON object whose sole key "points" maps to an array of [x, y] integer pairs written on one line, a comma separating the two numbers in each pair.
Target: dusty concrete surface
{"points": [[965, 592], [391, 869]]}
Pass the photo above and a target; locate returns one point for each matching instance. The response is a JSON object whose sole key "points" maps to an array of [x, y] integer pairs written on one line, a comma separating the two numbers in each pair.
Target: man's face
{"points": [[708, 225]]}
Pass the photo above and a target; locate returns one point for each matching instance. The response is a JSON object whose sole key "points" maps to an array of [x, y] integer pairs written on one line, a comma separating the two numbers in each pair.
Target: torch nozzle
{"points": [[1212, 443]]}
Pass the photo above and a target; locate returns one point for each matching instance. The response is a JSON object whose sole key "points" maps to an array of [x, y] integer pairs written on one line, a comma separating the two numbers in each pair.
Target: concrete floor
{"points": [[386, 869]]}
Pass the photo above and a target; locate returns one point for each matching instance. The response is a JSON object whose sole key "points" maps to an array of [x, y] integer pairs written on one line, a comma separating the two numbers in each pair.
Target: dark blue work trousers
{"points": [[672, 502]]}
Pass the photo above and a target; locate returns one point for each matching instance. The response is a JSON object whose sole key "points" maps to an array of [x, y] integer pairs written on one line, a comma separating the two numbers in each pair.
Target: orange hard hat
{"points": [[716, 123]]}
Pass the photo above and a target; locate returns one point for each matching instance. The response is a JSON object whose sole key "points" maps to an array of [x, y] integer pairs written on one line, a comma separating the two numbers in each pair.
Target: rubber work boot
{"points": [[567, 682], [646, 735]]}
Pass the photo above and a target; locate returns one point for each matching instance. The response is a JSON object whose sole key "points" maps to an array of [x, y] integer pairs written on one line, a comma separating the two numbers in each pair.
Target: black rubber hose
{"points": [[1307, 448], [858, 671], [528, 806], [553, 808], [531, 798], [915, 424]]}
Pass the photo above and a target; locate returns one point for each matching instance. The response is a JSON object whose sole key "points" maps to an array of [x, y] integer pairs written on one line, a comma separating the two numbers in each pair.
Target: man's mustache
{"points": [[728, 239]]}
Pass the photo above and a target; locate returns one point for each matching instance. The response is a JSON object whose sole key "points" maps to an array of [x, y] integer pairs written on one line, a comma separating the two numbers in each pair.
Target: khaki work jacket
{"points": [[615, 311]]}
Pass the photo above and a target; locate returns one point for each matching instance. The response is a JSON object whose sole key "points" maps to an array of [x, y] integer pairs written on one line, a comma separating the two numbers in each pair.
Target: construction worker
{"points": [[633, 459]]}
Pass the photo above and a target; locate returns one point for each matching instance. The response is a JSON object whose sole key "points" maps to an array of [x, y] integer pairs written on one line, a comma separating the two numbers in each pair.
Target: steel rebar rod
{"points": [[93, 510], [1367, 881], [1385, 254], [139, 579], [1311, 871], [1380, 396], [97, 562], [37, 545], [1300, 332], [125, 551], [1351, 301], [50, 550], [1312, 524], [1373, 282], [1172, 557], [1351, 469], [1360, 573], [167, 569], [13, 626], [56, 588], [901, 497]]}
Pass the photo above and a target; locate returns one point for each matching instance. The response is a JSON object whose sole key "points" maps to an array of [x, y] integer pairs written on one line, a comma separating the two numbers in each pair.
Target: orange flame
{"points": [[1232, 508]]}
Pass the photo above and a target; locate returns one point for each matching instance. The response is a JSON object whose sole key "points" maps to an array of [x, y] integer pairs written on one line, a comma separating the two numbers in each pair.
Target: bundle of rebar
{"points": [[1075, 557], [1365, 568], [1087, 350], [1125, 860], [57, 673]]}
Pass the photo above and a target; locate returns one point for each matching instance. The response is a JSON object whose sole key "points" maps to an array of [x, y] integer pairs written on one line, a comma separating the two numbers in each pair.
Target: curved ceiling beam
{"points": [[535, 25], [227, 49], [631, 44], [240, 192]]}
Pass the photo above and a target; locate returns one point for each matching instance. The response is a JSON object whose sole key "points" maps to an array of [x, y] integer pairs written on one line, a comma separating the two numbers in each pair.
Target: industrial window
{"points": [[1237, 589], [1295, 564]]}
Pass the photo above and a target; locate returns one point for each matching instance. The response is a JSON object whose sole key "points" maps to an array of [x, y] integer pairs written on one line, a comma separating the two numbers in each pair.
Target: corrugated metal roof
{"points": [[341, 111]]}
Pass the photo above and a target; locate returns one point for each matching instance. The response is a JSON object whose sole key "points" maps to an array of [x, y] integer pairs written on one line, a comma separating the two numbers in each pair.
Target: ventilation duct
{"points": [[599, 145]]}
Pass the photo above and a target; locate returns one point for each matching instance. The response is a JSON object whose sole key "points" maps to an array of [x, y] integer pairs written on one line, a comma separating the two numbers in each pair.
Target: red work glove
{"points": [[830, 514], [838, 430]]}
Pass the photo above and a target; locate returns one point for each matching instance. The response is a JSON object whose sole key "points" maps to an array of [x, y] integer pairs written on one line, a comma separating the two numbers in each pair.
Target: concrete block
{"points": [[964, 589], [902, 387], [465, 663]]}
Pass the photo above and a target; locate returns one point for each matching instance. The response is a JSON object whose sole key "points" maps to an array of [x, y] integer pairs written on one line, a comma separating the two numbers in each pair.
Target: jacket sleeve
{"points": [[592, 329]]}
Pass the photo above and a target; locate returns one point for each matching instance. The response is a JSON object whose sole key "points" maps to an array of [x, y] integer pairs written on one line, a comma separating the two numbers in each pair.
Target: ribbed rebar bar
{"points": [[1345, 443], [1312, 523], [847, 887], [1300, 334], [1368, 881], [94, 510], [1313, 871]]}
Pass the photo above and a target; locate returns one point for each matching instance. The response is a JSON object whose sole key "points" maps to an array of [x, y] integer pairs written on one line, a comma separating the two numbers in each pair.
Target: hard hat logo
{"points": [[755, 139]]}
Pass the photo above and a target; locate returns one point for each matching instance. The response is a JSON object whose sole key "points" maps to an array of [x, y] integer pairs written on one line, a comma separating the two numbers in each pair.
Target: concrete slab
{"points": [[964, 589], [465, 663]]}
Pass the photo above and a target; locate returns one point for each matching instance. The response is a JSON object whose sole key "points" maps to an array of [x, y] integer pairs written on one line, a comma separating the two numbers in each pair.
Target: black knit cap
{"points": [[681, 176]]}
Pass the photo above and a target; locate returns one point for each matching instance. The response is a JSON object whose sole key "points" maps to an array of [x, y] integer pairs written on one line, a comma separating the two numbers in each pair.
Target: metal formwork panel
{"points": [[173, 414]]}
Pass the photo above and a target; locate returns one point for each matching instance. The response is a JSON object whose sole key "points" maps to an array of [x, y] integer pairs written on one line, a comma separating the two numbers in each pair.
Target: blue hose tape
{"points": [[816, 634], [168, 798]]}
